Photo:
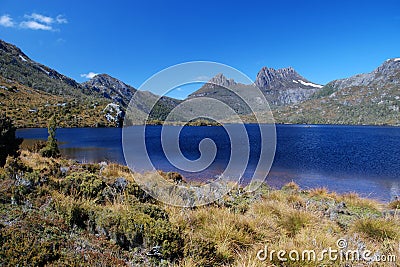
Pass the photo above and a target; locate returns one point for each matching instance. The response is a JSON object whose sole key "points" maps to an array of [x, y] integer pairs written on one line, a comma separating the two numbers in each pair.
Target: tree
{"points": [[51, 149], [9, 143]]}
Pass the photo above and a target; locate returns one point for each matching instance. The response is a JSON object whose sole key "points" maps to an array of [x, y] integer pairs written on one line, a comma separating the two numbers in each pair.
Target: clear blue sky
{"points": [[132, 40]]}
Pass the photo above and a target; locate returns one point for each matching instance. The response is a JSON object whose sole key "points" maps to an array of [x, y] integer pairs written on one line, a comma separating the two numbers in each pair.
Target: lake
{"points": [[362, 159]]}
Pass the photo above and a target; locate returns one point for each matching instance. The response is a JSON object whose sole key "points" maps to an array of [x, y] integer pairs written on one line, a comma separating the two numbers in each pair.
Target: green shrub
{"points": [[51, 149], [35, 241], [83, 184], [132, 228], [236, 201], [9, 144], [162, 233], [203, 252], [92, 168], [136, 191], [125, 228], [154, 212]]}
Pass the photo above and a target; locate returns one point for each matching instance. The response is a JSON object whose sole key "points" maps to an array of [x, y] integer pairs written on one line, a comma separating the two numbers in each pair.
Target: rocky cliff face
{"points": [[285, 86], [370, 98], [218, 86], [281, 87], [226, 90], [221, 80], [111, 88], [386, 73]]}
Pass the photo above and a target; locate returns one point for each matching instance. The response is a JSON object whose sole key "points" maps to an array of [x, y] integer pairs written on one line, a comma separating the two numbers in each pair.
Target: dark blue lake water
{"points": [[362, 159]]}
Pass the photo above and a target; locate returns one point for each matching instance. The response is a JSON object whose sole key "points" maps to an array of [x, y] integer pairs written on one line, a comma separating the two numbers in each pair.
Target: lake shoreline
{"points": [[250, 123]]}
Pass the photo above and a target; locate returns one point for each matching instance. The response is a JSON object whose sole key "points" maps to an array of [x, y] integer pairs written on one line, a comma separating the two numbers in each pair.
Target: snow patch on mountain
{"points": [[310, 84], [22, 58]]}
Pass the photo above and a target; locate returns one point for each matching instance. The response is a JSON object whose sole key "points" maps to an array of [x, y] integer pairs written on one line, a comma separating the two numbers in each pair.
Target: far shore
{"points": [[216, 124]]}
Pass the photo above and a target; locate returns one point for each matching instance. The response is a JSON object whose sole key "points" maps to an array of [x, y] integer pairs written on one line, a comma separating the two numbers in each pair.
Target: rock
{"points": [[19, 180], [103, 164], [285, 86], [280, 87], [387, 72], [155, 252], [221, 80], [111, 88], [114, 113], [64, 170], [120, 184]]}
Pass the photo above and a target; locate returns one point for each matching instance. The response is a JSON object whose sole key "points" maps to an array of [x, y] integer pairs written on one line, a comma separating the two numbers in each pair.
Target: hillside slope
{"points": [[41, 91], [146, 104], [17, 66], [29, 107], [372, 98]]}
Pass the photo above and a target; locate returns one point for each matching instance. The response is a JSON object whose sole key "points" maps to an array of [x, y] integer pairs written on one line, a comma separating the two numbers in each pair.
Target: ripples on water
{"points": [[362, 159]]}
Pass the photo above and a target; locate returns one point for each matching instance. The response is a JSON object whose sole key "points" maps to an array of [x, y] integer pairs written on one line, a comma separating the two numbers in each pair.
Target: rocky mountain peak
{"points": [[389, 66], [11, 49], [285, 78], [111, 88], [387, 73], [107, 80], [221, 80], [269, 78], [17, 66]]}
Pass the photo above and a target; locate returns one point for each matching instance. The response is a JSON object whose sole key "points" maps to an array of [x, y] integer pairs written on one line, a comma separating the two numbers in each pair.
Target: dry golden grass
{"points": [[395, 204], [320, 192], [116, 170], [378, 229], [291, 186], [355, 200], [220, 233], [32, 108], [281, 220]]}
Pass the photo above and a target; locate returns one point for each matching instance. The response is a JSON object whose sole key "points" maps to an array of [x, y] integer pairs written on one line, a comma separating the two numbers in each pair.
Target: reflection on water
{"points": [[342, 158], [86, 154]]}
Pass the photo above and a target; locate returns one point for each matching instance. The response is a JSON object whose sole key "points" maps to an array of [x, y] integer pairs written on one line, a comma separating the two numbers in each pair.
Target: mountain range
{"points": [[30, 92]]}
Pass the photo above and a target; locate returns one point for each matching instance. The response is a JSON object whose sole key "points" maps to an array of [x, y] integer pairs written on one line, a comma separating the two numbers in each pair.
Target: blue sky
{"points": [[132, 40]]}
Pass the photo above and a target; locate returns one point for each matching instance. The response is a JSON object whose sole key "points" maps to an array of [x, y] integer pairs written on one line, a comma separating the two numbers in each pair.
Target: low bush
{"points": [[83, 184], [130, 228], [9, 143], [203, 252]]}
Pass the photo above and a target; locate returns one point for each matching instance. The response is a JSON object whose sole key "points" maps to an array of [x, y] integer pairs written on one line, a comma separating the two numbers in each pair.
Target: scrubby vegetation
{"points": [[29, 107], [9, 143], [58, 212], [374, 105]]}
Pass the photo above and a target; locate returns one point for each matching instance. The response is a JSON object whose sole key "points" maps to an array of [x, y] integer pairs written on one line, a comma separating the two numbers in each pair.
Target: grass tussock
{"points": [[58, 212], [378, 229], [395, 204]]}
